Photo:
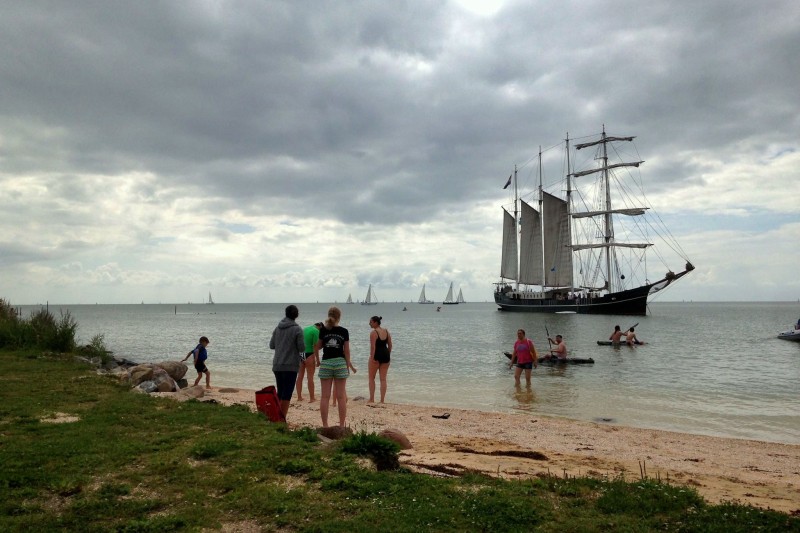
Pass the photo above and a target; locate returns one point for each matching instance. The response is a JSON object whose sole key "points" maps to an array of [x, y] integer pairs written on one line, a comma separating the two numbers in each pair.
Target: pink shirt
{"points": [[524, 351]]}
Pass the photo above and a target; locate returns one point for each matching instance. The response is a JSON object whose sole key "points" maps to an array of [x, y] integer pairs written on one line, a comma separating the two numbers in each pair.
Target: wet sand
{"points": [[518, 446]]}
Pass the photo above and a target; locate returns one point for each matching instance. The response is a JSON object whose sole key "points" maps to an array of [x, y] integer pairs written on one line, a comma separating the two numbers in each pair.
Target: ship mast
{"points": [[608, 226], [541, 210], [569, 208], [516, 225]]}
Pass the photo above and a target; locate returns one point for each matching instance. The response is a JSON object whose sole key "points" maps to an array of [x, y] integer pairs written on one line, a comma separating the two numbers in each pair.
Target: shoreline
{"points": [[520, 446]]}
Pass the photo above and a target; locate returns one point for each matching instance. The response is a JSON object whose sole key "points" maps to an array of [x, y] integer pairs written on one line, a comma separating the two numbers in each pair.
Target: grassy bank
{"points": [[130, 462]]}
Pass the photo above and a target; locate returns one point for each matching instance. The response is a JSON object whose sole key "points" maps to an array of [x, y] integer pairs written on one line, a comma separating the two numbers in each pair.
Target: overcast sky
{"points": [[297, 151]]}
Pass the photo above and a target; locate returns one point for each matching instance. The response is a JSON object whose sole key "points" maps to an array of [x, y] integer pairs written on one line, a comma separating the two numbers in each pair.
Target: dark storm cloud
{"points": [[380, 108]]}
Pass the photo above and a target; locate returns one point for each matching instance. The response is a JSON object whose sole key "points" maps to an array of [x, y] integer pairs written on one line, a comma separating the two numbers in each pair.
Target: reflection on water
{"points": [[525, 397]]}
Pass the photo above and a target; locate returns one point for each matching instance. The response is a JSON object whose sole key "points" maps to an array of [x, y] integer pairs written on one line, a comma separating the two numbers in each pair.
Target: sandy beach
{"points": [[518, 446]]}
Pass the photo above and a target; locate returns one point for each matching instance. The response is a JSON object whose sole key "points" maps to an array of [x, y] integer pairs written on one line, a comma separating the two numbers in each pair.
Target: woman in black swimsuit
{"points": [[380, 348]]}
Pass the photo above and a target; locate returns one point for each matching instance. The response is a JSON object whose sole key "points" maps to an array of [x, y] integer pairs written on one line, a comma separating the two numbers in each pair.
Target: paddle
{"points": [[550, 344]]}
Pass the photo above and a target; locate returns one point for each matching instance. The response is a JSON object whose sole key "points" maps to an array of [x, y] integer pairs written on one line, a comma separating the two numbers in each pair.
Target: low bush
{"points": [[41, 330]]}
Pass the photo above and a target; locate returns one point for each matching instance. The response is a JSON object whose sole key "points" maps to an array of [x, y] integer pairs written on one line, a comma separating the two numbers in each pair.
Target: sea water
{"points": [[707, 368]]}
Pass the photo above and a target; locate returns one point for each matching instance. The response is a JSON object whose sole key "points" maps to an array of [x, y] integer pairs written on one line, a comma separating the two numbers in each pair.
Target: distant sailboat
{"points": [[370, 299], [460, 299], [448, 300], [349, 299], [422, 298], [210, 300]]}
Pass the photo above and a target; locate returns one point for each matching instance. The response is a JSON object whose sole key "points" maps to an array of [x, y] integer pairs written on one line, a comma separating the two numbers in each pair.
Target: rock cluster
{"points": [[166, 376]]}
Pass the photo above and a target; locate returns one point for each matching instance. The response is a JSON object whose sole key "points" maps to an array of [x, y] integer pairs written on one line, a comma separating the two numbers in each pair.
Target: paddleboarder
{"points": [[560, 349], [630, 338]]}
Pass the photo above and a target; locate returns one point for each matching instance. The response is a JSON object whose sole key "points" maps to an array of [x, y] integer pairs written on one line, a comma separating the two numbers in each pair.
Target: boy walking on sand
{"points": [[200, 355]]}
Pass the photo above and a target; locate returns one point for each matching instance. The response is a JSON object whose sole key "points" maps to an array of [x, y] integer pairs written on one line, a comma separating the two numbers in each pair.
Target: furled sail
{"points": [[557, 249], [530, 257], [508, 265], [577, 247], [634, 211]]}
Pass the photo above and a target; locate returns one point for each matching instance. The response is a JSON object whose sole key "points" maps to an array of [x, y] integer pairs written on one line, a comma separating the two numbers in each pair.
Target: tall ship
{"points": [[584, 247]]}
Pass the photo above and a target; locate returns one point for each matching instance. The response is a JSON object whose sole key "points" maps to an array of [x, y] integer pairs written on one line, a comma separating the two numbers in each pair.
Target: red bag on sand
{"points": [[267, 402]]}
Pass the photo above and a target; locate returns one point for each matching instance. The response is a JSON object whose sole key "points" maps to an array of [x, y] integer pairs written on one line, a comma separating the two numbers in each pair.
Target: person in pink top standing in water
{"points": [[524, 356]]}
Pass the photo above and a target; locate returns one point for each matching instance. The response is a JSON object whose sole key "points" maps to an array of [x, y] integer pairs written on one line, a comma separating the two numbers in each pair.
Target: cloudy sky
{"points": [[298, 151]]}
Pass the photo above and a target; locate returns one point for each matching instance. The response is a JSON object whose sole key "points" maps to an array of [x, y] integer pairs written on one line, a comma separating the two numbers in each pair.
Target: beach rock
{"points": [[182, 383], [335, 432], [147, 386], [397, 436], [176, 369], [189, 393], [140, 373], [163, 380]]}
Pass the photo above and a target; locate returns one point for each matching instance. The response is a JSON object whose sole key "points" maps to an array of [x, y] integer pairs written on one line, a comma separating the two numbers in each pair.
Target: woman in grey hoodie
{"points": [[287, 341]]}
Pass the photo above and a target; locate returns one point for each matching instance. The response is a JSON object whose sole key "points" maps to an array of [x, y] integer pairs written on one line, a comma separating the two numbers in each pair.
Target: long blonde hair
{"points": [[334, 315]]}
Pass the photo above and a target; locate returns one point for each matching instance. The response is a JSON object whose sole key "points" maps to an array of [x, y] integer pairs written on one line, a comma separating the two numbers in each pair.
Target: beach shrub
{"points": [[42, 330], [96, 348], [382, 451]]}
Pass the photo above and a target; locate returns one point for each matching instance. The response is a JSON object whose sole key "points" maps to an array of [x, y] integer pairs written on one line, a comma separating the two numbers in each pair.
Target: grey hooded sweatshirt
{"points": [[287, 341]]}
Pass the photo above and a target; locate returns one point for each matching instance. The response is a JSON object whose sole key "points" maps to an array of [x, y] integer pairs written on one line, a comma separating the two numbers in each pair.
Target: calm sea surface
{"points": [[709, 368]]}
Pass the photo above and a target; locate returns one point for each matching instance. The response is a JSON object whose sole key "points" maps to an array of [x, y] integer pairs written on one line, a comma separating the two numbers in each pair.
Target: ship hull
{"points": [[631, 302]]}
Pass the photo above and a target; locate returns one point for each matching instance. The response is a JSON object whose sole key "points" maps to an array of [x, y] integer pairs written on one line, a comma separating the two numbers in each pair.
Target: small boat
{"points": [[210, 300], [370, 299], [349, 299], [620, 343], [791, 335], [460, 298], [448, 300], [422, 298], [557, 361], [575, 251]]}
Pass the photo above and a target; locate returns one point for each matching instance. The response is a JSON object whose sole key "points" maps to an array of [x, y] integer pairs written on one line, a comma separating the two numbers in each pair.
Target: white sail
{"points": [[210, 300], [370, 299], [422, 298], [460, 298], [530, 257], [556, 245], [508, 265], [349, 299], [449, 298]]}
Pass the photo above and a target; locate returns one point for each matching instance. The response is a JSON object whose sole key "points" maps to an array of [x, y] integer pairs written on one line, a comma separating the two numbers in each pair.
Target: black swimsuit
{"points": [[381, 349]]}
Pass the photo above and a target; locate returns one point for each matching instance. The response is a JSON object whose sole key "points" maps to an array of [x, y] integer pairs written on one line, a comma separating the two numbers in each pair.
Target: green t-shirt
{"points": [[311, 336]]}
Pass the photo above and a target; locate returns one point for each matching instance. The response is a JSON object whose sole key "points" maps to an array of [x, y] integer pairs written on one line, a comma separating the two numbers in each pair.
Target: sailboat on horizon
{"points": [[448, 300], [370, 299], [210, 299], [460, 299], [349, 299], [581, 254], [422, 298]]}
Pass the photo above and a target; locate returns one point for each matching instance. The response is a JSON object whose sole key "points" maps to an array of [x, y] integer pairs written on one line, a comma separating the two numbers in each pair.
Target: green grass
{"points": [[138, 463]]}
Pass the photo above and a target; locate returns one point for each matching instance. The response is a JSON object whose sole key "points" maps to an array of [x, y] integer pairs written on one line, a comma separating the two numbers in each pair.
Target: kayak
{"points": [[609, 343], [557, 361]]}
